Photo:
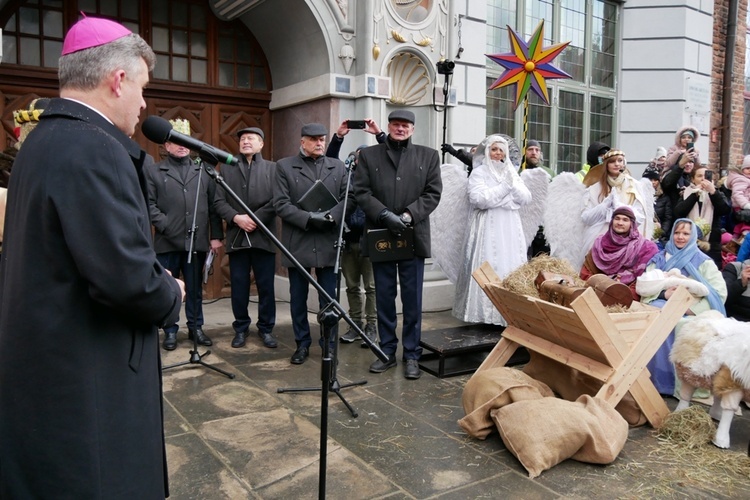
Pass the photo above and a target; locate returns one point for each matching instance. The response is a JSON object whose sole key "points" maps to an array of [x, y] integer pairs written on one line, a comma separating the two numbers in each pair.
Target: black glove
{"points": [[392, 221], [447, 148], [320, 220]]}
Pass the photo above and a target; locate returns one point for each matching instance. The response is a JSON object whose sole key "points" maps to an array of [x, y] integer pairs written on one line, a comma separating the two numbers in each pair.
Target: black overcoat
{"points": [[414, 185], [311, 247], [257, 193], [81, 293], [171, 203]]}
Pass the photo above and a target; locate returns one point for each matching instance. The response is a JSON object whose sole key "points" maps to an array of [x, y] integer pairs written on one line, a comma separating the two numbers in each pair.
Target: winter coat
{"points": [[255, 192], [413, 183], [171, 202], [676, 149], [312, 247], [740, 187], [81, 296]]}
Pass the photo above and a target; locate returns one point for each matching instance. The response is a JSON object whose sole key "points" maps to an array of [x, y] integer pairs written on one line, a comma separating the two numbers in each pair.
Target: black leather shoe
{"points": [[202, 337], [379, 367], [268, 339], [300, 355], [170, 341], [239, 339], [411, 369]]}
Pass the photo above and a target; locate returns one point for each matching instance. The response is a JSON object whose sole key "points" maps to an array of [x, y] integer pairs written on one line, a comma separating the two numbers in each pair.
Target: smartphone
{"points": [[690, 145], [709, 175], [355, 124]]}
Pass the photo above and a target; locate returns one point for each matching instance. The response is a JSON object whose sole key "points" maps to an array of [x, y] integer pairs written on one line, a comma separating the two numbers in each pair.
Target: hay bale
{"points": [[521, 280], [691, 428]]}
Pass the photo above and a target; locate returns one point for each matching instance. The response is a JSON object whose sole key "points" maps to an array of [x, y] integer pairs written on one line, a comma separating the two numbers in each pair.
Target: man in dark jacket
{"points": [[81, 290], [173, 185], [398, 184], [309, 235], [248, 247], [737, 277]]}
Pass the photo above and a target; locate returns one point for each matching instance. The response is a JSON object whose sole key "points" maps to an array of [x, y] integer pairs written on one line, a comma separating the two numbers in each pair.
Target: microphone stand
{"points": [[327, 317], [195, 356], [328, 323]]}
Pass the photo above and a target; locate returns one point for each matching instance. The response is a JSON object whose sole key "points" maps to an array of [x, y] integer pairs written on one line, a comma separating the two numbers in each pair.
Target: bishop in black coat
{"points": [[81, 296]]}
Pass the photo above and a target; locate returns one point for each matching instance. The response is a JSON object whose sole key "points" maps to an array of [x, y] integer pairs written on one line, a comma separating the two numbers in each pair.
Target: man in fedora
{"points": [[311, 236], [247, 246], [398, 184]]}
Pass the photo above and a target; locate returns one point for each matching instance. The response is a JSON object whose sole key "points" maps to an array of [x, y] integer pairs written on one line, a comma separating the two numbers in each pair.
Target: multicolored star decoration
{"points": [[529, 66]]}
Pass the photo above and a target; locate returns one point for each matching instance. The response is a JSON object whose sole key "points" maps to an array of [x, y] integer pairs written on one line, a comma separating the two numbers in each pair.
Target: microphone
{"points": [[351, 160], [159, 130]]}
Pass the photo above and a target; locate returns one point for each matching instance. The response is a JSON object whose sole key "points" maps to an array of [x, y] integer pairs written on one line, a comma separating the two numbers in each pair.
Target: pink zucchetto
{"points": [[92, 32]]}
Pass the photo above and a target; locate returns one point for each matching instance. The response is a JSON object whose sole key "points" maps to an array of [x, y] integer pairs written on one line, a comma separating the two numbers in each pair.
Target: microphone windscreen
{"points": [[156, 129]]}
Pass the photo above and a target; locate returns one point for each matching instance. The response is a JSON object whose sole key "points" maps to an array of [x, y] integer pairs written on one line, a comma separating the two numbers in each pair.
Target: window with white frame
{"points": [[582, 108]]}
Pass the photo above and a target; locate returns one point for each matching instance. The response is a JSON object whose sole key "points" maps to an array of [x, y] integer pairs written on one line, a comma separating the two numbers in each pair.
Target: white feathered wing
{"points": [[449, 221], [532, 214], [563, 225]]}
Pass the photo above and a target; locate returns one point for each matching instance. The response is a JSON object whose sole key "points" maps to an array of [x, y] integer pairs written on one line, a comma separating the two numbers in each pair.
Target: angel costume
{"points": [[495, 234]]}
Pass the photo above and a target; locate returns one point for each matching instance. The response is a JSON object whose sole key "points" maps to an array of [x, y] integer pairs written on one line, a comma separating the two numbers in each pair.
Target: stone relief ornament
{"points": [[346, 54], [409, 79], [412, 11]]}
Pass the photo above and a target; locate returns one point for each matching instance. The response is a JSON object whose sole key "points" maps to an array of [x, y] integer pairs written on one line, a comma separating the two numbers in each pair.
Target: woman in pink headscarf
{"points": [[621, 253]]}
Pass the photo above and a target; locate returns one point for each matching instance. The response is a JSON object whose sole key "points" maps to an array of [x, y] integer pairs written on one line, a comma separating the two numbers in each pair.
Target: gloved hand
{"points": [[320, 220], [447, 148], [392, 221]]}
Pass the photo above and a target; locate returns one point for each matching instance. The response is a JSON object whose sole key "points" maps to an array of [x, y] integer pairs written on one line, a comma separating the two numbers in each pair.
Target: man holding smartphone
{"points": [[368, 125]]}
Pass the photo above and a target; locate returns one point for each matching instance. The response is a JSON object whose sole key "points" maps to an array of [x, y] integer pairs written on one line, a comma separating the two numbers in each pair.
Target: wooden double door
{"points": [[215, 124]]}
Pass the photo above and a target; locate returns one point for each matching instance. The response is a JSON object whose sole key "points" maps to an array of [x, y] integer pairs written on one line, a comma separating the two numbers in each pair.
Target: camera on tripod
{"points": [[445, 67]]}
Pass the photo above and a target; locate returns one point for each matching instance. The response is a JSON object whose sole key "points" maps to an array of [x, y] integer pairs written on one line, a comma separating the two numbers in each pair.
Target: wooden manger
{"points": [[611, 347]]}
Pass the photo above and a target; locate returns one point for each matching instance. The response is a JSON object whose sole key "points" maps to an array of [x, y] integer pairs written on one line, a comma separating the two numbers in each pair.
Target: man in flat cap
{"points": [[248, 247], [173, 185], [398, 184], [310, 236], [82, 293]]}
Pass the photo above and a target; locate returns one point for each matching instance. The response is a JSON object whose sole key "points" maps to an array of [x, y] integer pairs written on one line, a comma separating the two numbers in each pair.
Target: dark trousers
{"points": [[263, 265], [410, 275], [298, 288], [176, 263]]}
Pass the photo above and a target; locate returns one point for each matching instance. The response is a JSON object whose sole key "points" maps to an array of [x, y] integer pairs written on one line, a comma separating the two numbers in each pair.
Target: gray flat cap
{"points": [[531, 143], [314, 130], [402, 114], [251, 130]]}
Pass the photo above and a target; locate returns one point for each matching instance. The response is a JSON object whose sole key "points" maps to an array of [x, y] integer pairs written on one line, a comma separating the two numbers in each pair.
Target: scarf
{"points": [[687, 260], [702, 209], [623, 255]]}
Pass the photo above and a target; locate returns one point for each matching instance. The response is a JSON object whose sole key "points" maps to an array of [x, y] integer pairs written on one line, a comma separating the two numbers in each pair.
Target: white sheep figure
{"points": [[713, 352]]}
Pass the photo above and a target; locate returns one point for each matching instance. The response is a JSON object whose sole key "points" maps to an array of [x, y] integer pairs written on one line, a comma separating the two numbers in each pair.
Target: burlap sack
{"points": [[494, 388], [569, 383], [541, 433]]}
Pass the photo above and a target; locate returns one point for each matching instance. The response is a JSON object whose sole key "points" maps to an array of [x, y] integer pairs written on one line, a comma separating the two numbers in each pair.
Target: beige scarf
{"points": [[706, 211]]}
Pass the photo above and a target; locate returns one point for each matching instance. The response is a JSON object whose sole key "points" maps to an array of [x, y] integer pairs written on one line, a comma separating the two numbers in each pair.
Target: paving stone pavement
{"points": [[241, 439]]}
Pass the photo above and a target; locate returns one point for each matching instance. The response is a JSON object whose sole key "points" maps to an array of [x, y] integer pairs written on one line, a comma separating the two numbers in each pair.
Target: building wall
{"points": [[666, 69], [737, 85]]}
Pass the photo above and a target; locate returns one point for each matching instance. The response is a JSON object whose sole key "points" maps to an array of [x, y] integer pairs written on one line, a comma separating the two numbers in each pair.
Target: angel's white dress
{"points": [[495, 234]]}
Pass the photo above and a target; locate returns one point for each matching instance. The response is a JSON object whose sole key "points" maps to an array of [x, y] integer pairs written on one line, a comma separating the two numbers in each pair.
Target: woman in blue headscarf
{"points": [[682, 253]]}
